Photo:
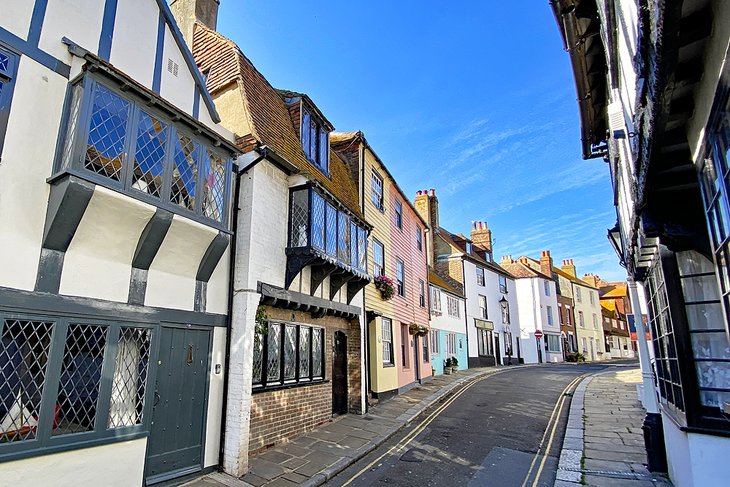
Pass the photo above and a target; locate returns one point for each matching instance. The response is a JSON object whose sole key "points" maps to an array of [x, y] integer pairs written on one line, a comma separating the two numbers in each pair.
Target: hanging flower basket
{"points": [[417, 330], [386, 286]]}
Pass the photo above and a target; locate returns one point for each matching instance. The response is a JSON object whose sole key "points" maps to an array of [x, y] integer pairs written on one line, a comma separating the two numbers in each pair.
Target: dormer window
{"points": [[315, 141]]}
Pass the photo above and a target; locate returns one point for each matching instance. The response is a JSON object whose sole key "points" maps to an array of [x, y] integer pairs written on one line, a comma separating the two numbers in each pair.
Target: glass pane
{"points": [[317, 220], [323, 150], [4, 62], [299, 218], [313, 140], [354, 260], [214, 185], [710, 345], [184, 171], [691, 262], [305, 132], [714, 398], [343, 238], [700, 288], [290, 354], [107, 133], [317, 335], [258, 357], [304, 332], [24, 348], [149, 157], [273, 366], [130, 377], [715, 375], [706, 316], [78, 390], [71, 126], [362, 249], [331, 240]]}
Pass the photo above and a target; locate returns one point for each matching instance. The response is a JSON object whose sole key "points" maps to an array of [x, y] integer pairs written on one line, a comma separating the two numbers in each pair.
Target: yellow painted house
{"points": [[396, 359]]}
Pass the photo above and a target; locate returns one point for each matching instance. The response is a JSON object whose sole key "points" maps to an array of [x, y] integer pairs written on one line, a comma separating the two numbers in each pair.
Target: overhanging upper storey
{"points": [[118, 134], [580, 28], [327, 236]]}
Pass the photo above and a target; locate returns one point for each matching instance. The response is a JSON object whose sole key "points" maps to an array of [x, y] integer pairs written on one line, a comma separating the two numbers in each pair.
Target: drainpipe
{"points": [[231, 271]]}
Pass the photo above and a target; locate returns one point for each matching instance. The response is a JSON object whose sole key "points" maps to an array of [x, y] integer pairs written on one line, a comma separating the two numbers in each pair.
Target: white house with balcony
{"points": [[115, 225]]}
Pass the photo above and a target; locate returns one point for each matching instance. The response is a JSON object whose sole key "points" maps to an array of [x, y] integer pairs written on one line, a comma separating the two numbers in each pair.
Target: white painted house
{"points": [[115, 224], [448, 337], [653, 83], [537, 305]]}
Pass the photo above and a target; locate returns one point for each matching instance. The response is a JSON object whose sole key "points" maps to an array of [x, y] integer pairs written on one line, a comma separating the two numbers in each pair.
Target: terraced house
{"points": [[115, 225], [398, 354], [300, 254]]}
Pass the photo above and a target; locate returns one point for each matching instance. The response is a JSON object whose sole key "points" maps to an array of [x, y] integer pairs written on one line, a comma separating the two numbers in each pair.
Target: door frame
{"points": [[204, 430], [345, 375]]}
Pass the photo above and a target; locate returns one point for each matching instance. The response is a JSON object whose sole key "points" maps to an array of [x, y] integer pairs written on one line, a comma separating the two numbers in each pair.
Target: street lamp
{"points": [[614, 236]]}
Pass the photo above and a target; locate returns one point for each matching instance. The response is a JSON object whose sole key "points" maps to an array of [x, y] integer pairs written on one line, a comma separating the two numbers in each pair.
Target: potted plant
{"points": [[447, 366], [413, 329], [386, 286], [454, 364], [422, 331]]}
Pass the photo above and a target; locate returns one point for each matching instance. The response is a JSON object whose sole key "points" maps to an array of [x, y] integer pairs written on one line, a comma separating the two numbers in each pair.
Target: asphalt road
{"points": [[493, 433]]}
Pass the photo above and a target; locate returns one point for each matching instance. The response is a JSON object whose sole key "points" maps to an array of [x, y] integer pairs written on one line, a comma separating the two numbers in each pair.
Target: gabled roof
{"points": [[268, 116], [523, 271], [562, 273], [439, 281]]}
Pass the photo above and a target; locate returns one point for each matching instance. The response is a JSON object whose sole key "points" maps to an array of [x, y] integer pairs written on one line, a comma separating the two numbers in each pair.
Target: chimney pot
{"points": [[433, 192]]}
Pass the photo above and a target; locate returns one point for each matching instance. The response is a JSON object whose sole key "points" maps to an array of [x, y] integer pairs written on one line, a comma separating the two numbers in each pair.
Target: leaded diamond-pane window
{"points": [[214, 185], [24, 350], [149, 158], [292, 348], [127, 143], [354, 259], [184, 172], [362, 249], [258, 357], [290, 354], [107, 133], [318, 223], [130, 377], [273, 366], [299, 218], [343, 238], [304, 352], [4, 62], [331, 236], [78, 390], [317, 346]]}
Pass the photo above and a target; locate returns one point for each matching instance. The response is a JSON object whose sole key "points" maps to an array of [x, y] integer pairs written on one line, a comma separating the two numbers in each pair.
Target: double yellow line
{"points": [[554, 421], [398, 447]]}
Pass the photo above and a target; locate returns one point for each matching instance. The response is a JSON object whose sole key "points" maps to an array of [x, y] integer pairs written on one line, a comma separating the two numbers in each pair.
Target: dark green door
{"points": [[175, 445]]}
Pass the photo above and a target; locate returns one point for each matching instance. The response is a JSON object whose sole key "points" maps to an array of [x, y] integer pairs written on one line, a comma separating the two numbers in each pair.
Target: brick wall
{"points": [[280, 415]]}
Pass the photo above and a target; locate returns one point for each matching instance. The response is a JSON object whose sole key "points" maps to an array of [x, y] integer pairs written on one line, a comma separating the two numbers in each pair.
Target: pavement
{"points": [[315, 457], [604, 443]]}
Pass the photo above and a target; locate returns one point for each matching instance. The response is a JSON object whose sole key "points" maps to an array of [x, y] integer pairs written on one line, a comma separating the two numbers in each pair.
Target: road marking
{"points": [[421, 426], [555, 420]]}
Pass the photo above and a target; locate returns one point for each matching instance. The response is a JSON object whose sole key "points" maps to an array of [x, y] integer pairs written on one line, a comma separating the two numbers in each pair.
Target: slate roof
{"points": [[268, 116]]}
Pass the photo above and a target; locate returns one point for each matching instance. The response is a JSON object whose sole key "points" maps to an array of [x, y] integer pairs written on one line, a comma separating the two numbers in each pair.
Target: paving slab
{"points": [[612, 453]]}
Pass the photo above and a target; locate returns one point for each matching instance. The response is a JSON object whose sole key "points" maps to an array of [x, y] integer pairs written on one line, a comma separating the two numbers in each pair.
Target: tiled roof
{"points": [[614, 291], [522, 271], [439, 281], [562, 273], [268, 116]]}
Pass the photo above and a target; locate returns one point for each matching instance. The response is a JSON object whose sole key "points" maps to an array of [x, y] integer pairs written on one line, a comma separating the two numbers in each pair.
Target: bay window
{"points": [[119, 140]]}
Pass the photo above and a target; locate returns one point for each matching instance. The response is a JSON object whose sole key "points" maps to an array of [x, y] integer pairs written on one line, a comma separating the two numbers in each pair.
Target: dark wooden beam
{"points": [[695, 27]]}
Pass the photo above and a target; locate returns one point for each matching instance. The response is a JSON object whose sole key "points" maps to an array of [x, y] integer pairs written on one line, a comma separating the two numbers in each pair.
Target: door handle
{"points": [[157, 399]]}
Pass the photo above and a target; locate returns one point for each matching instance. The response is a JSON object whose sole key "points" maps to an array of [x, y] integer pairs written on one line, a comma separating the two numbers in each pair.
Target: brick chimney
{"points": [[186, 12], [506, 260], [427, 205], [569, 268], [546, 263], [594, 280], [481, 236]]}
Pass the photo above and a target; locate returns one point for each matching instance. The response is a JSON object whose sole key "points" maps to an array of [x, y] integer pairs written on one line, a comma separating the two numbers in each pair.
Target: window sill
{"points": [[279, 387], [65, 447], [388, 366], [135, 195]]}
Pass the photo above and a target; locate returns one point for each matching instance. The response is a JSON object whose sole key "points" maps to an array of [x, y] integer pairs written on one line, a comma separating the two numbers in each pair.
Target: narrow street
{"points": [[505, 430]]}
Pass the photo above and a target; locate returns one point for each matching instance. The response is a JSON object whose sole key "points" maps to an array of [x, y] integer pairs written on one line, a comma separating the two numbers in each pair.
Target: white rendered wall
{"points": [[473, 290], [98, 262], [695, 460], [528, 306], [135, 26], [16, 16], [171, 278], [24, 169], [215, 398], [444, 321], [217, 295], [78, 20], [180, 89], [113, 465]]}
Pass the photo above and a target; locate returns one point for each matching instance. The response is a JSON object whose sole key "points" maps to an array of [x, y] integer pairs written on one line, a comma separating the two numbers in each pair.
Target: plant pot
{"points": [[447, 370], [454, 369]]}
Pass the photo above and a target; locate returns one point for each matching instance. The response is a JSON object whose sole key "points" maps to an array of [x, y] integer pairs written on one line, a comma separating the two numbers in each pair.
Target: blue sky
{"points": [[473, 98]]}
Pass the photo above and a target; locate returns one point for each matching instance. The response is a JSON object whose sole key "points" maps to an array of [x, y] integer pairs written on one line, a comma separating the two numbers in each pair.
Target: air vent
{"points": [[172, 67]]}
